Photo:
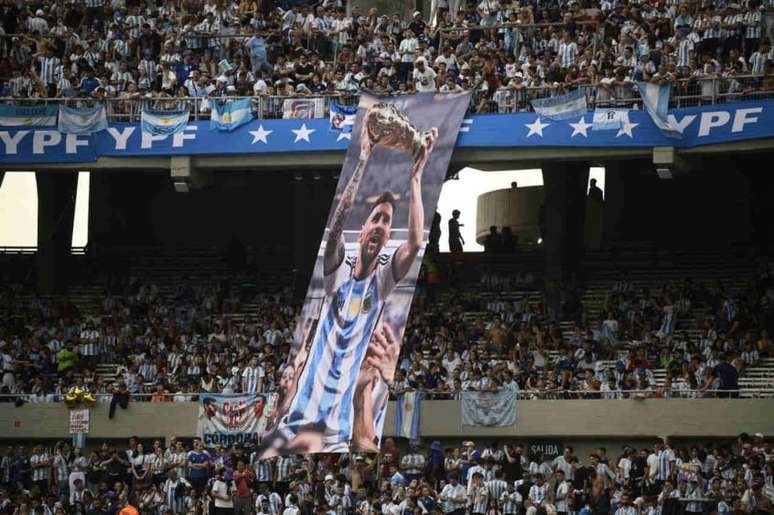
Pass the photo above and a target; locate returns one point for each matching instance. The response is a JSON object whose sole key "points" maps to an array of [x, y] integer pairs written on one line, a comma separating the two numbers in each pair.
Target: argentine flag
{"points": [[82, 120], [342, 117], [561, 107], [230, 115], [158, 123], [32, 116], [655, 98], [407, 415]]}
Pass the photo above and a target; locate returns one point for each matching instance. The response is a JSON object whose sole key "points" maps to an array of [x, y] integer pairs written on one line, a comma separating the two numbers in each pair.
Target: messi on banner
{"points": [[407, 413], [342, 117], [561, 107], [609, 119], [231, 114], [349, 334], [158, 123], [233, 419], [655, 98], [33, 116], [489, 409], [82, 120]]}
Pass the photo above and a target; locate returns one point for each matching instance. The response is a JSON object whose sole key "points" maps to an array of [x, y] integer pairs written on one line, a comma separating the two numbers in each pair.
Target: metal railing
{"points": [[509, 99], [524, 395]]}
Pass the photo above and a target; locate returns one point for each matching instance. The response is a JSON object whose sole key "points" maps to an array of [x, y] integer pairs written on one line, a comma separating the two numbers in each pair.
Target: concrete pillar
{"points": [[615, 198], [56, 208], [303, 240], [563, 220]]}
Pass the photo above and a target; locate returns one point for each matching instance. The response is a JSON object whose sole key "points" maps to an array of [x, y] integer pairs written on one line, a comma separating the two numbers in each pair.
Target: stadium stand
{"points": [[184, 54], [164, 325]]}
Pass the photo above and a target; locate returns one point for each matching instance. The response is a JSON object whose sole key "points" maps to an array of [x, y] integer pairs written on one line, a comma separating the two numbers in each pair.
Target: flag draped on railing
{"points": [[82, 120], [28, 116], [231, 114], [561, 107], [491, 409], [609, 119], [158, 123], [655, 98], [342, 117], [407, 413]]}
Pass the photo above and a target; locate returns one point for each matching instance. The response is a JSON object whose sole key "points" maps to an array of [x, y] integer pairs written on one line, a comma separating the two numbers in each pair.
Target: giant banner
{"points": [[336, 382], [234, 419]]}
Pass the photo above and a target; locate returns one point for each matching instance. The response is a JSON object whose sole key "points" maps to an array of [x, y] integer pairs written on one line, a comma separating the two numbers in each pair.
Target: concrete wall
{"points": [[590, 421], [517, 208]]}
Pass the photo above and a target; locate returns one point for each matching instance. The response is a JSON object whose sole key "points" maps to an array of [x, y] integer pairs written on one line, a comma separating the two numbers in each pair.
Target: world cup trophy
{"points": [[386, 125]]}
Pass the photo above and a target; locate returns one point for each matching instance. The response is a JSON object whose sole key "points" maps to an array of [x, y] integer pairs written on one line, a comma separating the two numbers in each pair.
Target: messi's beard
{"points": [[367, 257]]}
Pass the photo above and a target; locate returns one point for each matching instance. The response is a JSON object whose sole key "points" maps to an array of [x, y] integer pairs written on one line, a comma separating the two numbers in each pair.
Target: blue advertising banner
{"points": [[697, 126]]}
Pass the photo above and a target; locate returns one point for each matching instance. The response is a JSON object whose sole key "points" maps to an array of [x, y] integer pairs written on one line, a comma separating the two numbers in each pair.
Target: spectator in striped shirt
{"points": [[40, 463], [538, 495], [252, 377], [478, 495]]}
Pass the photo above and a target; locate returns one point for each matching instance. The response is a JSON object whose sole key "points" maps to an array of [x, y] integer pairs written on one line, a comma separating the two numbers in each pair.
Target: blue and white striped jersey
{"points": [[350, 313]]}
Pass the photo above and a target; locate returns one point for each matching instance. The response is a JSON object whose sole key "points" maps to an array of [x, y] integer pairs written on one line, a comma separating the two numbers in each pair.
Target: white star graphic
{"points": [[627, 129], [580, 128], [344, 135], [536, 127], [260, 135], [302, 133]]}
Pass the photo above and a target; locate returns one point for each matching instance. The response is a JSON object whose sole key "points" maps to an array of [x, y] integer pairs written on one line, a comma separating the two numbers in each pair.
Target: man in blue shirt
{"points": [[198, 466], [728, 376]]}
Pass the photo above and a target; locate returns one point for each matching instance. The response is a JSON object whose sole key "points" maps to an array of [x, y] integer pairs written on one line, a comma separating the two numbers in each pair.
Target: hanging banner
{"points": [[490, 409], [346, 347], [227, 419], [79, 420], [303, 108]]}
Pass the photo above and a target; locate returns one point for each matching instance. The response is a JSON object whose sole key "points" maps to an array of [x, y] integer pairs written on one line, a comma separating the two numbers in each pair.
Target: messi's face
{"points": [[376, 232]]}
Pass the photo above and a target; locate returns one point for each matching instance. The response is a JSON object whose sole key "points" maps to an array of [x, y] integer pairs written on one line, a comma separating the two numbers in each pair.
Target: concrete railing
{"points": [[589, 419]]}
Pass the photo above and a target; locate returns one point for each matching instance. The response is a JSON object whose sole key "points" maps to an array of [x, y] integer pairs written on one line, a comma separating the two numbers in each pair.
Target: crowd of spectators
{"points": [[717, 477], [215, 336], [508, 51]]}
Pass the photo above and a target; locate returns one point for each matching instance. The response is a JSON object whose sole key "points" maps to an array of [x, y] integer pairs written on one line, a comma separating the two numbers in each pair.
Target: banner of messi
{"points": [[336, 383], [234, 419]]}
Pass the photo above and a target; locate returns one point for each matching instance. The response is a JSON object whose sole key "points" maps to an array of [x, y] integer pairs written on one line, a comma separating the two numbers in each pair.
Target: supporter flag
{"points": [[489, 409], [609, 119], [407, 412], [31, 116], [158, 123], [561, 107], [231, 114], [342, 117], [655, 98], [82, 120], [302, 108]]}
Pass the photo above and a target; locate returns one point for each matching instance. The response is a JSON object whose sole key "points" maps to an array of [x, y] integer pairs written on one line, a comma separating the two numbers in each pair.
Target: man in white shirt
{"points": [[538, 494], [562, 493], [292, 507], [413, 463], [424, 76], [224, 503], [453, 497]]}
